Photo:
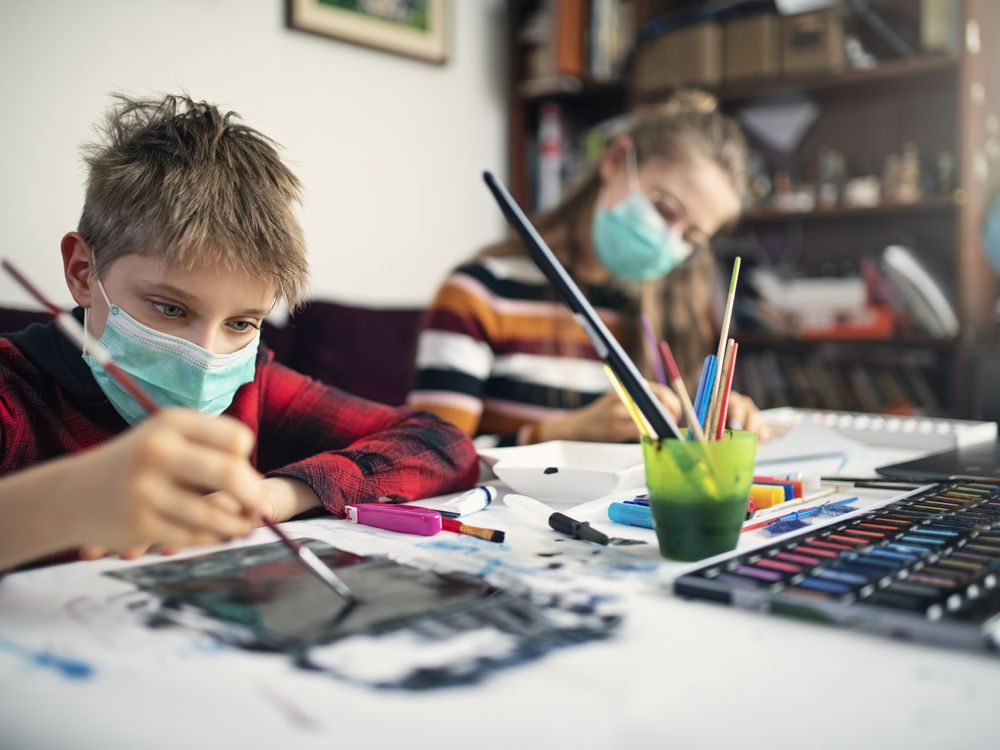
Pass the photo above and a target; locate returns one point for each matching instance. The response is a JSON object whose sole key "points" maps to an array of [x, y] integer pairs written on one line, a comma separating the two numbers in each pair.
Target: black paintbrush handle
{"points": [[607, 346], [577, 529]]}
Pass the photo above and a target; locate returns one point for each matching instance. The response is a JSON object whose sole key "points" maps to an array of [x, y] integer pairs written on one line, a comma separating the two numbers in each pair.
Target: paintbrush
{"points": [[72, 328], [456, 526], [727, 316], [681, 390]]}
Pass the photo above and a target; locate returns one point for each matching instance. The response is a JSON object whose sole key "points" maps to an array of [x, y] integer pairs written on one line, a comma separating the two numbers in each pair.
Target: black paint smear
{"points": [[267, 592], [264, 600]]}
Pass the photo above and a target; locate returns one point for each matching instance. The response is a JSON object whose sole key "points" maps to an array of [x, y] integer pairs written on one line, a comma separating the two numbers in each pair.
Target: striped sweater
{"points": [[499, 352]]}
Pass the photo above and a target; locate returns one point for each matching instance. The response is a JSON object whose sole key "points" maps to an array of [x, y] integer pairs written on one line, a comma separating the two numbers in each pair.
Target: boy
{"points": [[187, 239]]}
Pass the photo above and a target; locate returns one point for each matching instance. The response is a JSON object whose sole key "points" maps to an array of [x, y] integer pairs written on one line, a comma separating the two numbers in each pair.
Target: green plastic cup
{"points": [[698, 492]]}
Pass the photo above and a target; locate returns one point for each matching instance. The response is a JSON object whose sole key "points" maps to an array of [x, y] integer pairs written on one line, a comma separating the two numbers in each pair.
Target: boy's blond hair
{"points": [[178, 179]]}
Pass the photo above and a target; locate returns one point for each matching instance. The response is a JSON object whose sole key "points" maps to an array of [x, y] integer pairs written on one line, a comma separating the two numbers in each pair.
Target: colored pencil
{"points": [[681, 390], [702, 395], [637, 416], [490, 535], [654, 354], [76, 333], [775, 511], [794, 513], [727, 316], [727, 387]]}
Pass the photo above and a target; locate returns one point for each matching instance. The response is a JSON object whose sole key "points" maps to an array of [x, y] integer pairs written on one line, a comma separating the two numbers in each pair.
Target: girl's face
{"points": [[695, 196]]}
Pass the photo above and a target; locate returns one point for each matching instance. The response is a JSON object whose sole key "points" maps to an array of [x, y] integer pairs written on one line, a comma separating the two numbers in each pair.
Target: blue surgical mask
{"points": [[632, 239], [172, 370]]}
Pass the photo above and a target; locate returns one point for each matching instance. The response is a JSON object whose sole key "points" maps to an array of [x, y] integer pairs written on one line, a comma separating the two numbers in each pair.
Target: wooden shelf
{"points": [[893, 73], [570, 87], [762, 339], [768, 215]]}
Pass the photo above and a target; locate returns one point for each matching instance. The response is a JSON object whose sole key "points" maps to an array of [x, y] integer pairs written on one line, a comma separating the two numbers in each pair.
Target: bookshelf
{"points": [[942, 102]]}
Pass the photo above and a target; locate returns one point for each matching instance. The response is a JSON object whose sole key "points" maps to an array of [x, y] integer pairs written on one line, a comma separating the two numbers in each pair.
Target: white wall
{"points": [[389, 148]]}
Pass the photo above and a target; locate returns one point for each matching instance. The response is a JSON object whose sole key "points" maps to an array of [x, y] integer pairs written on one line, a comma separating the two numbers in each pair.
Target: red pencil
{"points": [[727, 387]]}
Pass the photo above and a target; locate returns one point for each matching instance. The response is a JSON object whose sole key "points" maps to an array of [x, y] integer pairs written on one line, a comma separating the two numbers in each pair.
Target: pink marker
{"points": [[408, 519]]}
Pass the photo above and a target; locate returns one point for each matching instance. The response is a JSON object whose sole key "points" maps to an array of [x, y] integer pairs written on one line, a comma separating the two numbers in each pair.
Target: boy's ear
{"points": [[78, 267], [615, 155]]}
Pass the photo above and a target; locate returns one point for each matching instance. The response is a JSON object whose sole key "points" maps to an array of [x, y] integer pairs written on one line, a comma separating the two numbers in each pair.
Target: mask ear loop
{"points": [[87, 338], [632, 165], [632, 170]]}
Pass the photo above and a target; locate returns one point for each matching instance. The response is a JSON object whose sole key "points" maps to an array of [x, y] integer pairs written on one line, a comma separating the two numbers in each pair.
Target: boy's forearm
{"points": [[288, 497], [35, 524]]}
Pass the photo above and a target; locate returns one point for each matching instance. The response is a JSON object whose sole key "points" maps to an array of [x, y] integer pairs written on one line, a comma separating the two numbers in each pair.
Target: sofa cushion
{"points": [[366, 351]]}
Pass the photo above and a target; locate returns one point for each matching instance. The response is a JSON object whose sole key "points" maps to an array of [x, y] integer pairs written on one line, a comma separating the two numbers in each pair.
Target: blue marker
{"points": [[703, 395], [631, 514]]}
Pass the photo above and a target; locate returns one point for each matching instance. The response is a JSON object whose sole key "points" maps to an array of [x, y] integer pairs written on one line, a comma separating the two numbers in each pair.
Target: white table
{"points": [[679, 674]]}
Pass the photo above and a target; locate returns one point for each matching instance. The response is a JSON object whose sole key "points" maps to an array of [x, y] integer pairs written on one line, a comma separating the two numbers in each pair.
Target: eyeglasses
{"points": [[674, 213]]}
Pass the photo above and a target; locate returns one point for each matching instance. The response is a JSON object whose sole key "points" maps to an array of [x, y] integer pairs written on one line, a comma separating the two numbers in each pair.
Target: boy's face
{"points": [[220, 310]]}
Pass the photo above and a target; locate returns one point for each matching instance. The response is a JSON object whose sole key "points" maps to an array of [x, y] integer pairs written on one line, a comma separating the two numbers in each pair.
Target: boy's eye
{"points": [[242, 326], [168, 310]]}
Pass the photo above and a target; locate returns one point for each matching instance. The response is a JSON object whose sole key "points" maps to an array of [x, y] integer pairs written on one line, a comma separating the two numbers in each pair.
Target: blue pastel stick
{"points": [[631, 515], [703, 395]]}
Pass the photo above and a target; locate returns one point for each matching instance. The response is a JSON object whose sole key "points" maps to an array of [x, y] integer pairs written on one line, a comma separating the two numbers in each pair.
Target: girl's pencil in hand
{"points": [[490, 535]]}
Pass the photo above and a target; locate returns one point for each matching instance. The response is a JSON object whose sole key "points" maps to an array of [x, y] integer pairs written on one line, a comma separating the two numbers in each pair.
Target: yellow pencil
{"points": [[637, 416]]}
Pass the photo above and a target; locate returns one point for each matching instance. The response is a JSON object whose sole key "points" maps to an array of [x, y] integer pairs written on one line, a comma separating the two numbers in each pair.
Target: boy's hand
{"points": [[149, 485]]}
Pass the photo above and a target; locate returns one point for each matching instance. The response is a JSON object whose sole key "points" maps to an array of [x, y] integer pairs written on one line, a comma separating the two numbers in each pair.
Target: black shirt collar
{"points": [[51, 352]]}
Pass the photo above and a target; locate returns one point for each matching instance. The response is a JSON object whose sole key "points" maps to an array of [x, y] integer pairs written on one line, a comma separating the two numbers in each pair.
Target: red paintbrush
{"points": [[76, 333]]}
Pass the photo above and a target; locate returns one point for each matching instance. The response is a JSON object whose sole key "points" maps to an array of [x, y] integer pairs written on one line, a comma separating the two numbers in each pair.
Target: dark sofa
{"points": [[365, 351]]}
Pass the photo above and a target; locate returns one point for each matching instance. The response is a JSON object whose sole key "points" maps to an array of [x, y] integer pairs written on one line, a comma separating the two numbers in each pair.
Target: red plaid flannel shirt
{"points": [[347, 449]]}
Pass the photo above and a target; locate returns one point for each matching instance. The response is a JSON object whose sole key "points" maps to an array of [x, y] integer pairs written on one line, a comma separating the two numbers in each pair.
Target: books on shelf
{"points": [[905, 383], [573, 40], [919, 292]]}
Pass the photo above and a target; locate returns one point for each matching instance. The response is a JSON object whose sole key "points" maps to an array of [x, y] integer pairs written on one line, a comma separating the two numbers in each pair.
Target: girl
{"points": [[502, 358]]}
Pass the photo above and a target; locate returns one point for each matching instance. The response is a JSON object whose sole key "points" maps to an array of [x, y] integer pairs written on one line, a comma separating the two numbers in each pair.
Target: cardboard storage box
{"points": [[812, 43], [688, 56], [752, 48]]}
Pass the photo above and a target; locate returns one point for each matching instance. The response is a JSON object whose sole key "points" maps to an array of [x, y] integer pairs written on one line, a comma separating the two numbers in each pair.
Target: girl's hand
{"points": [[605, 420], [744, 415]]}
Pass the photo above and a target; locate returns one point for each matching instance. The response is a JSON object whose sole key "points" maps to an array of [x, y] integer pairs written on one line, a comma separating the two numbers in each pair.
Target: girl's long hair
{"points": [[680, 304]]}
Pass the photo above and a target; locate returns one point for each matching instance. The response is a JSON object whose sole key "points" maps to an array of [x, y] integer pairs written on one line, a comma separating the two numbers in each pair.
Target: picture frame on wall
{"points": [[414, 28]]}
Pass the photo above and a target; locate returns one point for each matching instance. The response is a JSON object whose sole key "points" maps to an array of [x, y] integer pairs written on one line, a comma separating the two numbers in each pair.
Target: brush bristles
{"points": [[490, 535]]}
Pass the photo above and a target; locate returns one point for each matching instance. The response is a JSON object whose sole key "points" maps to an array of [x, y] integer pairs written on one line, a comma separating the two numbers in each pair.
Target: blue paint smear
{"points": [[68, 667]]}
